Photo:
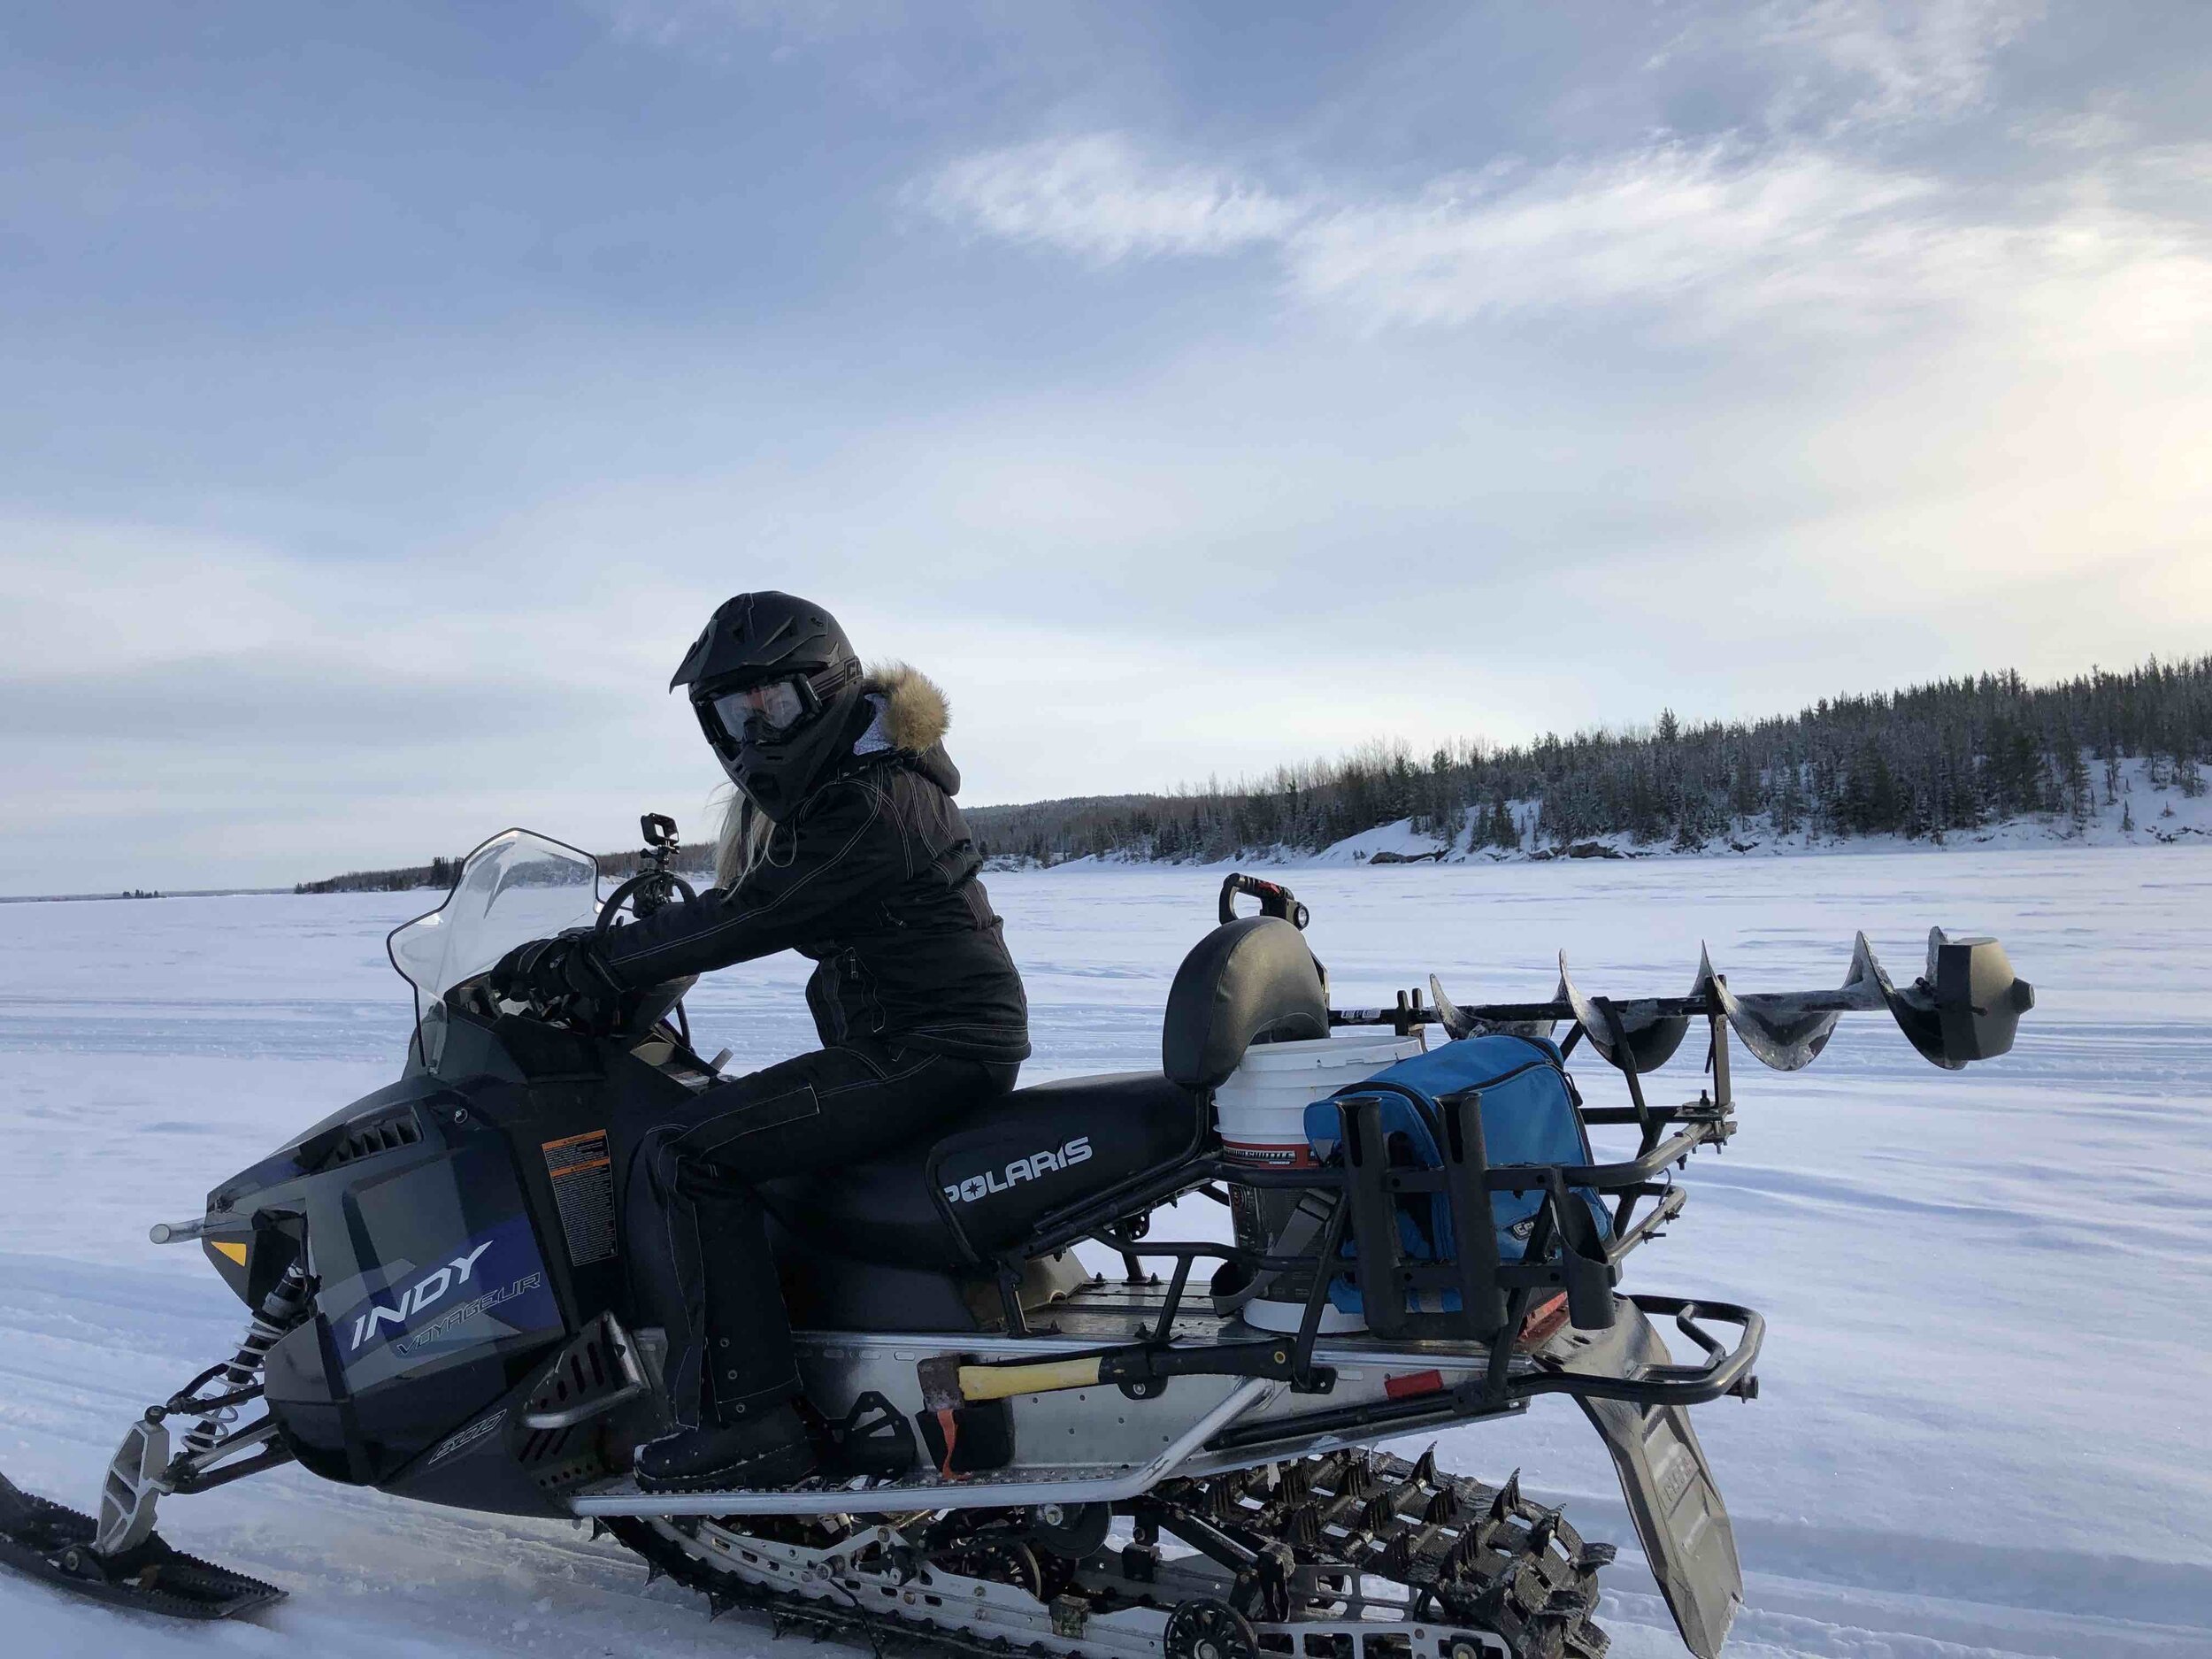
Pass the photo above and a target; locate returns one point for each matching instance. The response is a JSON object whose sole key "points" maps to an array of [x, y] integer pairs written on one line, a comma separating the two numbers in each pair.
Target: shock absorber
{"points": [[281, 1309]]}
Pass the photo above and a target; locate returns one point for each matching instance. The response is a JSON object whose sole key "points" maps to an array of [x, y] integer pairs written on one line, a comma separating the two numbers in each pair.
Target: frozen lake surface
{"points": [[1986, 1419]]}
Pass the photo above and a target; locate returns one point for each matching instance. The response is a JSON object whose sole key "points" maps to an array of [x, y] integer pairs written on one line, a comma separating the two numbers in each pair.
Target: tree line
{"points": [[1929, 761]]}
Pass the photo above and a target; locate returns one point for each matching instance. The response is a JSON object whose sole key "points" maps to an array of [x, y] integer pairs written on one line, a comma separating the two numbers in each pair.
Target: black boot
{"points": [[750, 1434], [764, 1448]]}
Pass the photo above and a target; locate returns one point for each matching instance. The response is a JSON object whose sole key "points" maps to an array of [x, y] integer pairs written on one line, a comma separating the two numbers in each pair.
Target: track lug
{"points": [[1509, 1498], [1069, 1614], [1541, 1534], [1361, 1481]]}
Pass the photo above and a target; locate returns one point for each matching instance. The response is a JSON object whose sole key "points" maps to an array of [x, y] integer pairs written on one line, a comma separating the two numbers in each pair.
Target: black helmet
{"points": [[773, 682]]}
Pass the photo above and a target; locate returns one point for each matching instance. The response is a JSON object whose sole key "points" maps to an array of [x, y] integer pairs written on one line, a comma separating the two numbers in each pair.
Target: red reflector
{"points": [[1420, 1382], [1543, 1322]]}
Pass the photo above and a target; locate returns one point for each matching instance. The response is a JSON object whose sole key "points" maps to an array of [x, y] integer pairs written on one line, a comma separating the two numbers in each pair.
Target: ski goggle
{"points": [[774, 707]]}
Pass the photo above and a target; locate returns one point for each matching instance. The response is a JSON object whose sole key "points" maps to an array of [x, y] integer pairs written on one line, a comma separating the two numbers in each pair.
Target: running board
{"points": [[1001, 1489]]}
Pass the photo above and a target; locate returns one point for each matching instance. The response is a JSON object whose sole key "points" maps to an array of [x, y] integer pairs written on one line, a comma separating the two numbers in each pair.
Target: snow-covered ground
{"points": [[1987, 1424]]}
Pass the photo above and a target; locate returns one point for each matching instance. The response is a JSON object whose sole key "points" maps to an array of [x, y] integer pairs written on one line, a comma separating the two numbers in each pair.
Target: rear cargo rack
{"points": [[1965, 1008], [1405, 1295]]}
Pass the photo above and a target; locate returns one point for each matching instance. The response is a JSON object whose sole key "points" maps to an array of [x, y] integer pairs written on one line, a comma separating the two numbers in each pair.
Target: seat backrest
{"points": [[1249, 981]]}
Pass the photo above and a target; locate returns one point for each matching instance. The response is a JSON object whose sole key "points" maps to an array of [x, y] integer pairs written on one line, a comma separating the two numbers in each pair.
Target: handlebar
{"points": [[1275, 900], [653, 887]]}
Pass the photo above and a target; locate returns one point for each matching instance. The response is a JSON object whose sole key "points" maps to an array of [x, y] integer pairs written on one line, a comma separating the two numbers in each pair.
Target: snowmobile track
{"points": [[1317, 1532]]}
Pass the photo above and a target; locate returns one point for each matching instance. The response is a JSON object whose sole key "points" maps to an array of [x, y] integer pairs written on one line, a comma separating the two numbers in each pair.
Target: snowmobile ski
{"points": [[45, 1541]]}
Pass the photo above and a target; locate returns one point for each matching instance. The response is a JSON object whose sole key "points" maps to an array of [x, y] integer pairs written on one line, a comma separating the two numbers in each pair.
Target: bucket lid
{"points": [[1310, 1053]]}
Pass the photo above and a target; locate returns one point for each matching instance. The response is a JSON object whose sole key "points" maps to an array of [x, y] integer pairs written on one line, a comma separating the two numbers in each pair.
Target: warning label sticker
{"points": [[583, 1188]]}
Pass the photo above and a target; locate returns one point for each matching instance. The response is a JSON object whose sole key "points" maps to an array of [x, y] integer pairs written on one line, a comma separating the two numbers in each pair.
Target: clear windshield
{"points": [[516, 887]]}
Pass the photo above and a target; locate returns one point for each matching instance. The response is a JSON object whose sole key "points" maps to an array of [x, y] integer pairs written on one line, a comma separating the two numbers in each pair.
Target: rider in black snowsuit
{"points": [[845, 846]]}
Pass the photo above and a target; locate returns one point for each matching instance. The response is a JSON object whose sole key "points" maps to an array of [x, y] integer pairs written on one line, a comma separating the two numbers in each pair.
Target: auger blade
{"points": [[1965, 1008], [1651, 1036], [1458, 1023], [1777, 1027]]}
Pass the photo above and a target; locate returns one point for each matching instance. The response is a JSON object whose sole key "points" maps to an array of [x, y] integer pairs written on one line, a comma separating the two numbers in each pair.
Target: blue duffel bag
{"points": [[1528, 1117]]}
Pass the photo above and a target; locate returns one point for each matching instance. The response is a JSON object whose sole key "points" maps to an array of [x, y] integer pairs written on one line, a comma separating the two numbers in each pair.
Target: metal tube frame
{"points": [[1562, 1253]]}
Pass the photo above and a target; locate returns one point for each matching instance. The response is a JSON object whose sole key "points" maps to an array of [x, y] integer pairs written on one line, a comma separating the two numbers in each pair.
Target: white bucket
{"points": [[1261, 1109]]}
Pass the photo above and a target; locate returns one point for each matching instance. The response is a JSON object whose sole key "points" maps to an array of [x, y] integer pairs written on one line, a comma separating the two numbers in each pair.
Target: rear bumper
{"points": [[1725, 1370]]}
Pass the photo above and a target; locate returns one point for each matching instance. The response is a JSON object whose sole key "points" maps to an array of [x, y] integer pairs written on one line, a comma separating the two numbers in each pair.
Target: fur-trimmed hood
{"points": [[911, 717], [915, 715]]}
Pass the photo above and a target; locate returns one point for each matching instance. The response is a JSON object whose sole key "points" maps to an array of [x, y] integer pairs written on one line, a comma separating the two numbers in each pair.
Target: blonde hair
{"points": [[742, 841]]}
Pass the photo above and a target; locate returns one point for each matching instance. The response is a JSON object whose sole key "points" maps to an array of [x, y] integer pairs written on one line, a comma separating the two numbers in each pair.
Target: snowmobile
{"points": [[1016, 1450]]}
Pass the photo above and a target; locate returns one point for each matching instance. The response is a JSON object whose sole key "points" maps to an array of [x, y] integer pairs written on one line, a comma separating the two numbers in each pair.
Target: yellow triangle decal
{"points": [[236, 1252]]}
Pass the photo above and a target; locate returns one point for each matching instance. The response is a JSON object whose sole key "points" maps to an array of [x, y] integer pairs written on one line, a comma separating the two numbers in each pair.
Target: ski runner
{"points": [[842, 843]]}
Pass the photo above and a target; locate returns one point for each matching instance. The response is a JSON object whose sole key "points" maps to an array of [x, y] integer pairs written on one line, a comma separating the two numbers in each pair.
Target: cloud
{"points": [[2075, 129], [1097, 196], [1701, 237], [1862, 61], [1668, 225]]}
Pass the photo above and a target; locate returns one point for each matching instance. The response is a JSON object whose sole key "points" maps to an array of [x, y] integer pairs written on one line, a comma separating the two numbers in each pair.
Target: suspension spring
{"points": [[281, 1309]]}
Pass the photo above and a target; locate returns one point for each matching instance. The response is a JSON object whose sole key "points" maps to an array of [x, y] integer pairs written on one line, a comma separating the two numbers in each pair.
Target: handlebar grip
{"points": [[1275, 899]]}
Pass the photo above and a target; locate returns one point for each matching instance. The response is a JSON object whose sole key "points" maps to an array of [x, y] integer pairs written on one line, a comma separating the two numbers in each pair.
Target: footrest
{"points": [[998, 1489]]}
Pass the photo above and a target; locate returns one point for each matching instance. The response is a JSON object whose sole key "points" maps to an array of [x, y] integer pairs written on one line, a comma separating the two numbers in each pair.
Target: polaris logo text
{"points": [[447, 1278], [1076, 1151]]}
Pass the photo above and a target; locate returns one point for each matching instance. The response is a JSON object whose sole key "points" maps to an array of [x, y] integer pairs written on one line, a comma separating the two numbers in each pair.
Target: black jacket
{"points": [[874, 878]]}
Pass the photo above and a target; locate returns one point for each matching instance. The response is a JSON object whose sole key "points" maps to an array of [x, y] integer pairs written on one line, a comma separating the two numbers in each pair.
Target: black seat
{"points": [[1250, 981], [953, 1201]]}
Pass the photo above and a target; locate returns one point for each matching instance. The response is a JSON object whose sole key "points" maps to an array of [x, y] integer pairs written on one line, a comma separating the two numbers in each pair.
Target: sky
{"points": [[394, 389]]}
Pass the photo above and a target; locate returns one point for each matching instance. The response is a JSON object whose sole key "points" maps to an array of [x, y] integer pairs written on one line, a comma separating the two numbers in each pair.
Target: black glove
{"points": [[563, 976]]}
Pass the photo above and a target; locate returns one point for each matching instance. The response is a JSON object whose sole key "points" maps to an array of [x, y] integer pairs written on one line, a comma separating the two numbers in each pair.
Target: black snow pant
{"points": [[697, 1244]]}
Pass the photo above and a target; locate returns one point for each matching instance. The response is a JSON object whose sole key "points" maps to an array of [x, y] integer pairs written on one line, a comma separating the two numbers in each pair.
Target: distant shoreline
{"points": [[1343, 857], [96, 898]]}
